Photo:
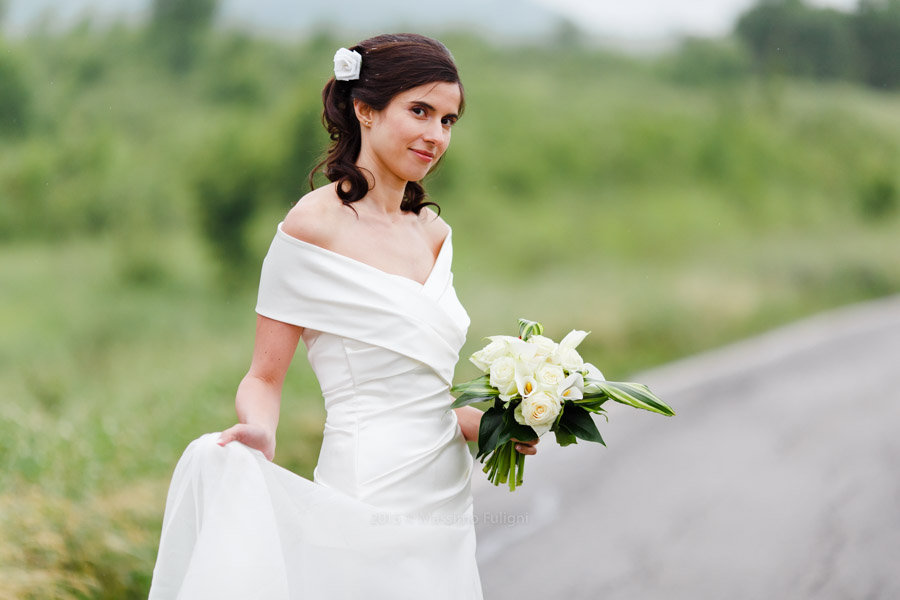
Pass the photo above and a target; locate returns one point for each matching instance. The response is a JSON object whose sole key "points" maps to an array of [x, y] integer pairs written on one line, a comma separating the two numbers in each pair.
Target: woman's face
{"points": [[408, 137]]}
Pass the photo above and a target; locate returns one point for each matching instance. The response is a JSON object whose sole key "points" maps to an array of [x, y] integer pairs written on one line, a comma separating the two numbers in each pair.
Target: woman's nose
{"points": [[434, 131]]}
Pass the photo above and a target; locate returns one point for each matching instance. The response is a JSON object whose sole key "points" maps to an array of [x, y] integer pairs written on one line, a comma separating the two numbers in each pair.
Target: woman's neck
{"points": [[386, 190], [384, 202]]}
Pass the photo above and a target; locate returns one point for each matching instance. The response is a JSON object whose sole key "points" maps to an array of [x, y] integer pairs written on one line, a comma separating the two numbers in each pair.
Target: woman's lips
{"points": [[426, 156]]}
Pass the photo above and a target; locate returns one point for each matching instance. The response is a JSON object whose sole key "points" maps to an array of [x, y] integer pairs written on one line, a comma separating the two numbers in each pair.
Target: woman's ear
{"points": [[364, 112]]}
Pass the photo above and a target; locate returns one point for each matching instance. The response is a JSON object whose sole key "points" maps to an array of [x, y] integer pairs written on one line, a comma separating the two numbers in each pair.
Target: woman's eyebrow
{"points": [[432, 109]]}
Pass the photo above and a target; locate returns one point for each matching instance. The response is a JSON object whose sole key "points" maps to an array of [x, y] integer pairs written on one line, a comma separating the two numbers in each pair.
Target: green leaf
{"points": [[637, 395], [489, 429], [529, 328], [466, 400], [578, 421], [564, 437], [594, 404], [512, 428], [481, 385], [477, 390]]}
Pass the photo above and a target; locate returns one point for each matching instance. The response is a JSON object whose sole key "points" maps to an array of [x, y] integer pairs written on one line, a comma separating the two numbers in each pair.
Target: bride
{"points": [[360, 271]]}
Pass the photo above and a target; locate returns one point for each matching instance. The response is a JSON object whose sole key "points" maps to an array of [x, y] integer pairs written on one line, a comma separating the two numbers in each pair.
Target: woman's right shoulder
{"points": [[314, 217]]}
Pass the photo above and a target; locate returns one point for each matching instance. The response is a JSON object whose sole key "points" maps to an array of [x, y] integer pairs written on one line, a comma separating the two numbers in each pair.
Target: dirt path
{"points": [[779, 478]]}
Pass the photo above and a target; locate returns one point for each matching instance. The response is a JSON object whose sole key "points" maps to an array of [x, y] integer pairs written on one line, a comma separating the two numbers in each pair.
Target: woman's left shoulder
{"points": [[435, 227]]}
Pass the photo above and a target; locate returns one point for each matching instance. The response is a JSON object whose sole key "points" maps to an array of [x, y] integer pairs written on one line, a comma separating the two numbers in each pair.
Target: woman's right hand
{"points": [[255, 436]]}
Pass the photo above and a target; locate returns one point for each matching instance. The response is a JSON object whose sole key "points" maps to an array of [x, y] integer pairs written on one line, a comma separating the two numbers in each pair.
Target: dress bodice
{"points": [[383, 348]]}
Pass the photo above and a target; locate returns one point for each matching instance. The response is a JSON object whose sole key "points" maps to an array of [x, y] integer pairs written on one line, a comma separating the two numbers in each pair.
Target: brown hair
{"points": [[391, 64]]}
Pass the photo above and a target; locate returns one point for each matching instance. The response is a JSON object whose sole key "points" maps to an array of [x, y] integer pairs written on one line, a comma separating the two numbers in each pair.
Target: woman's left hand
{"points": [[526, 447]]}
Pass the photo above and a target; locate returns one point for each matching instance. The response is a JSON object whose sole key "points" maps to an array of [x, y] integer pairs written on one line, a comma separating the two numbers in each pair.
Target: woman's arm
{"points": [[469, 419], [258, 399]]}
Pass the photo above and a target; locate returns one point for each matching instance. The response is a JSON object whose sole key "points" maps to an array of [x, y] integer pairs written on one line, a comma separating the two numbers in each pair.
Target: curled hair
{"points": [[391, 64]]}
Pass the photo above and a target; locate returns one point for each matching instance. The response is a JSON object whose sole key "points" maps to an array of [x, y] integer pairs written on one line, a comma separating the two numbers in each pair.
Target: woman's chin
{"points": [[414, 174]]}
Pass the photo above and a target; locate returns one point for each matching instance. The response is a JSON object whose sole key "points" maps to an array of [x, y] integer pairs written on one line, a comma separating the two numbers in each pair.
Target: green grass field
{"points": [[601, 195]]}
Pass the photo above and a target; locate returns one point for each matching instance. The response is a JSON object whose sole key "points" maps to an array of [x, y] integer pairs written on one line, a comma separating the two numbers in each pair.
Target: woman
{"points": [[360, 270]]}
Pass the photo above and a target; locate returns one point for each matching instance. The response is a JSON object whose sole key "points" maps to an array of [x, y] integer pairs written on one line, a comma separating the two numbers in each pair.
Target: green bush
{"points": [[707, 61], [15, 94]]}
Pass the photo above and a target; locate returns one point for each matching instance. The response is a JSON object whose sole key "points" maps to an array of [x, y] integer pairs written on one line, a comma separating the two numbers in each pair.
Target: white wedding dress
{"points": [[389, 512]]}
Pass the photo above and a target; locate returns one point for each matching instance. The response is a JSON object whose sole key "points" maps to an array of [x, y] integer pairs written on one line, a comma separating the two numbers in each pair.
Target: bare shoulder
{"points": [[435, 227], [314, 217]]}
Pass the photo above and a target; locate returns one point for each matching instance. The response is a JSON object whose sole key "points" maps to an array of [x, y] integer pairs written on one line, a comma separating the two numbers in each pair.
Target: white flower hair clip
{"points": [[347, 64]]}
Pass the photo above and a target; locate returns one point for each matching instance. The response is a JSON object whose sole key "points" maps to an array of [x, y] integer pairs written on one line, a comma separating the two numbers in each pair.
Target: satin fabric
{"points": [[389, 512]]}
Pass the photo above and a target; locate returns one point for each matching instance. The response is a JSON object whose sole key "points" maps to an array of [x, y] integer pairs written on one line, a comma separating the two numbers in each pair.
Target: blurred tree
{"points": [[878, 196], [177, 27], [233, 70], [15, 95], [303, 146], [568, 35], [700, 61], [877, 25], [229, 184], [787, 36]]}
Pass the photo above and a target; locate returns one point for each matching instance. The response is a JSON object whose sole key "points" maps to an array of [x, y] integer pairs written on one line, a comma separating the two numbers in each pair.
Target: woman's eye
{"points": [[448, 122], [418, 111]]}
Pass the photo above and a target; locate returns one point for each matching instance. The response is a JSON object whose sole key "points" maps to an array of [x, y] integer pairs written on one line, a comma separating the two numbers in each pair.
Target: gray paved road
{"points": [[779, 478]]}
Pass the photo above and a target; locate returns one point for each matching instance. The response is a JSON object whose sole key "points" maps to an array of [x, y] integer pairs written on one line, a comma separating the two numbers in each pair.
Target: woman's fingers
{"points": [[226, 436], [250, 436], [526, 447], [235, 432]]}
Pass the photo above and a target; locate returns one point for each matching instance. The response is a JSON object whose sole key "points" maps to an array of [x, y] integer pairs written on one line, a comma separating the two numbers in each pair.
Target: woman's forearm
{"points": [[469, 419], [258, 403]]}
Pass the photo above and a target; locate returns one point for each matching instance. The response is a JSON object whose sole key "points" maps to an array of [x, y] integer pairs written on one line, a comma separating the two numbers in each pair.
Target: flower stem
{"points": [[505, 465], [520, 475], [491, 466], [513, 462]]}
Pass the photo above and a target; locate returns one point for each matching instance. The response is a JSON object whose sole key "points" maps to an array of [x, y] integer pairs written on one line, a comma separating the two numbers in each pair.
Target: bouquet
{"points": [[538, 386]]}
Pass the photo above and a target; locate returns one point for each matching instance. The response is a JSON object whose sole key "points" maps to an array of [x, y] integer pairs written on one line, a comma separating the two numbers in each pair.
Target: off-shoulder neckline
{"points": [[325, 251]]}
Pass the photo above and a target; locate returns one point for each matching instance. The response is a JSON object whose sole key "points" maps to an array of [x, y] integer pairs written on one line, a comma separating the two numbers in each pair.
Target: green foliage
{"points": [[177, 28], [229, 183], [577, 421], [791, 37], [15, 93], [877, 23], [878, 196], [788, 36], [303, 144], [706, 61]]}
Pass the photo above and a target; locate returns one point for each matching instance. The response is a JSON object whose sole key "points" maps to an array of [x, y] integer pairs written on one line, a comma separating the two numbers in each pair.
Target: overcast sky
{"points": [[661, 18], [634, 20]]}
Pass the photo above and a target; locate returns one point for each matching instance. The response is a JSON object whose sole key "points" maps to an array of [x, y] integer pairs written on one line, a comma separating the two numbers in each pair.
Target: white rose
{"points": [[545, 346], [484, 358], [347, 64], [503, 376], [569, 359], [549, 376], [538, 411]]}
